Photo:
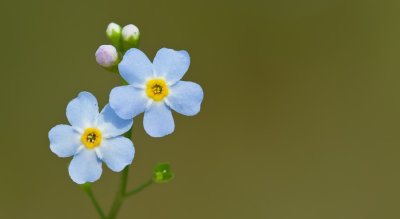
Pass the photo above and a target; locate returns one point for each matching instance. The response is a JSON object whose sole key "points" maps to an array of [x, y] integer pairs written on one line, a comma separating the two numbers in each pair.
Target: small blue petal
{"points": [[185, 97], [112, 125], [158, 120], [83, 110], [128, 101], [64, 140], [117, 152], [171, 65], [85, 167], [135, 67]]}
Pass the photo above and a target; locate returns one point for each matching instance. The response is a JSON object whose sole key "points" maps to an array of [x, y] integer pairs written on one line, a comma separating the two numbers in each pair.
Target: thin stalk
{"points": [[88, 189], [140, 188], [120, 195]]}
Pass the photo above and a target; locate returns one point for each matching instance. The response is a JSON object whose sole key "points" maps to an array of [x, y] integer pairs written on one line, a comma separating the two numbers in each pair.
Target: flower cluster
{"points": [[154, 88]]}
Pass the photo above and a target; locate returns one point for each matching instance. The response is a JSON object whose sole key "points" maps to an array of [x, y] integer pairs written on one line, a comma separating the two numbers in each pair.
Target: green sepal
{"points": [[114, 35], [113, 68], [162, 173], [130, 43]]}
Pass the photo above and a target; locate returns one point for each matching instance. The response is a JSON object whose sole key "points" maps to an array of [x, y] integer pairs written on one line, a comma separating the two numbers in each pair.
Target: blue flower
{"points": [[155, 88], [93, 137]]}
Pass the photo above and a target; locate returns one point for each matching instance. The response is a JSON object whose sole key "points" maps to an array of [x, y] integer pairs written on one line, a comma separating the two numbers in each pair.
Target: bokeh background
{"points": [[300, 117]]}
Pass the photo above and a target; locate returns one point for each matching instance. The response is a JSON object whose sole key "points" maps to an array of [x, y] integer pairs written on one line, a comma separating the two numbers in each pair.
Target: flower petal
{"points": [[83, 110], [64, 140], [85, 167], [128, 101], [158, 120], [171, 65], [112, 125], [135, 67], [185, 97], [117, 152]]}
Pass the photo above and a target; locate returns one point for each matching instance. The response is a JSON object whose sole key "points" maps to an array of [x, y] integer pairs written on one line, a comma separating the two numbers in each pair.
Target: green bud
{"points": [[130, 37], [162, 173], [113, 33]]}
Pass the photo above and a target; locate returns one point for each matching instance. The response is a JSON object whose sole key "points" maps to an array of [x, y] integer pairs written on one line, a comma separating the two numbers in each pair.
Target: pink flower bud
{"points": [[107, 56]]}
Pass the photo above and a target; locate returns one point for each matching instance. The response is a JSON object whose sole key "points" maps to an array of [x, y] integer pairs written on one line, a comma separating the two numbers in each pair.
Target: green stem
{"points": [[140, 188], [120, 195], [88, 190]]}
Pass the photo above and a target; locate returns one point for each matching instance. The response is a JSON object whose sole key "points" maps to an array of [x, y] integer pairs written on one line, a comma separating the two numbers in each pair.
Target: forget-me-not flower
{"points": [[155, 88], [93, 137]]}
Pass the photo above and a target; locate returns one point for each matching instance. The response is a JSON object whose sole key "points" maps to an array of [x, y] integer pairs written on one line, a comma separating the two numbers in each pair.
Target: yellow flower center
{"points": [[157, 89], [91, 138]]}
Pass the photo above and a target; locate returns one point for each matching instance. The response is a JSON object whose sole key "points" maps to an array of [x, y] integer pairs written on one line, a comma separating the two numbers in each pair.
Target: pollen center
{"points": [[91, 138], [156, 89]]}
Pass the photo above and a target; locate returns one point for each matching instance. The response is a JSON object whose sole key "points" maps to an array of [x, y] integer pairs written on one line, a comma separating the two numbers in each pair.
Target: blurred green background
{"points": [[300, 117]]}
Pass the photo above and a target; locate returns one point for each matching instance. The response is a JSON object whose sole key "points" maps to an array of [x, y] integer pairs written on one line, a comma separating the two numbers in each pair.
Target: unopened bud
{"points": [[130, 37], [162, 173], [107, 56], [113, 33]]}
